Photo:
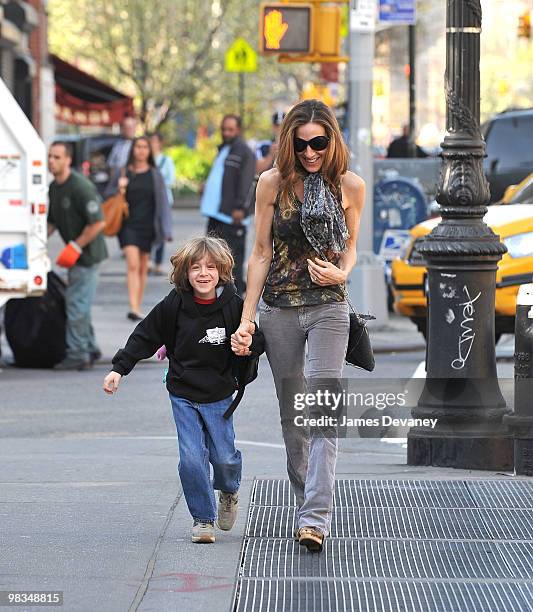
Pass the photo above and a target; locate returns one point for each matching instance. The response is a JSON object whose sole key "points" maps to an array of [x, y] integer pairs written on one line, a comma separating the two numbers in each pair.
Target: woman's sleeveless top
{"points": [[288, 282]]}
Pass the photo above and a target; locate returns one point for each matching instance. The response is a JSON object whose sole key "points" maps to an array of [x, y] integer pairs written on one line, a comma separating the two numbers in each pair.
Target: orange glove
{"points": [[69, 255]]}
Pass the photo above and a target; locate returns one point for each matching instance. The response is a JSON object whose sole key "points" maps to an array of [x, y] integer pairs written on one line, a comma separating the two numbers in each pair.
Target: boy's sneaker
{"points": [[203, 533], [227, 510]]}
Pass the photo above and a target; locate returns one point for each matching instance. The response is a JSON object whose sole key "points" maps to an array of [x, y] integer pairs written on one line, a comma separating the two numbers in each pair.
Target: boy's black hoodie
{"points": [[202, 366]]}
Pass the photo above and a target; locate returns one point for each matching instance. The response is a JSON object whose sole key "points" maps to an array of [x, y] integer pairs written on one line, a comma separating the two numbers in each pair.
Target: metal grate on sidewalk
{"points": [[418, 523], [374, 596], [374, 493], [395, 545], [407, 559]]}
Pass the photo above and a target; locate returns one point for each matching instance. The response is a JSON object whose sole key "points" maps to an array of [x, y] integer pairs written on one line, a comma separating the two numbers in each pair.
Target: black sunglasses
{"points": [[318, 143]]}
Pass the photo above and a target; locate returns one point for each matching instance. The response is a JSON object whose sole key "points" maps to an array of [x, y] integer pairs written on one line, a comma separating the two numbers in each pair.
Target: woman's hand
{"points": [[242, 338], [123, 182], [111, 382], [240, 347], [325, 273]]}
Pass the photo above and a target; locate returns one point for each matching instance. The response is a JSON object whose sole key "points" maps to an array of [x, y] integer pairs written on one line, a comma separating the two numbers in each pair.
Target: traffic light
{"points": [[300, 32], [286, 28], [524, 25]]}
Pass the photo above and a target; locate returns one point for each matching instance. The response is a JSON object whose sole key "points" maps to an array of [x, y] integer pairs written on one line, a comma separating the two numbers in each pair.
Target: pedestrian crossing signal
{"points": [[286, 28], [524, 25]]}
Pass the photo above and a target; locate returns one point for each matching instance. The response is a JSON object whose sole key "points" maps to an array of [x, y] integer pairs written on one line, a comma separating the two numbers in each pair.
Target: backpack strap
{"points": [[232, 318], [171, 306], [234, 403]]}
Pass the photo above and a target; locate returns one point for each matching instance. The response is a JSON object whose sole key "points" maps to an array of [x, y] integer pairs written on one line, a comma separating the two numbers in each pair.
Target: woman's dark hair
{"points": [[336, 156], [151, 159]]}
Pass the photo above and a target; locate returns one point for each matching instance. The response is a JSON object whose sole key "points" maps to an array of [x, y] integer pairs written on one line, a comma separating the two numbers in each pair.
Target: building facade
{"points": [[24, 63]]}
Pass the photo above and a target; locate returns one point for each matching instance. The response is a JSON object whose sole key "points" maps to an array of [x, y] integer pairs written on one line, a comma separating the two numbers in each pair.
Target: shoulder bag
{"points": [[115, 209]]}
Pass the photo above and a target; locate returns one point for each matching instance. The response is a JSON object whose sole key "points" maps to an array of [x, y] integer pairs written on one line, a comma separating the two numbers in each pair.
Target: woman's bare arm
{"points": [[353, 189], [259, 262]]}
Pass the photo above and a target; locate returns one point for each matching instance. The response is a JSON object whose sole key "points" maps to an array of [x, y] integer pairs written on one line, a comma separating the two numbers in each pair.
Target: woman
{"points": [[149, 222], [307, 219]]}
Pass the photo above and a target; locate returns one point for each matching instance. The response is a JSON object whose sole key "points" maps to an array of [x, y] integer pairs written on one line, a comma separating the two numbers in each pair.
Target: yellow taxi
{"points": [[514, 225]]}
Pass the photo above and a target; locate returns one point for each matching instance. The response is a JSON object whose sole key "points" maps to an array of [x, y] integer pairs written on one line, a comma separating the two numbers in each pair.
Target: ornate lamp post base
{"points": [[492, 454], [462, 254]]}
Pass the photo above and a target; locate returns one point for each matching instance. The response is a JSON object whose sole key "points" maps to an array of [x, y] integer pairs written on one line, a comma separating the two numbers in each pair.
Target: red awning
{"points": [[83, 100]]}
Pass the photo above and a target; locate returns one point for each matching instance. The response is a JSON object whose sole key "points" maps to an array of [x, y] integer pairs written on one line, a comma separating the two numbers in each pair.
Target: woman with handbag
{"points": [[308, 210], [148, 222]]}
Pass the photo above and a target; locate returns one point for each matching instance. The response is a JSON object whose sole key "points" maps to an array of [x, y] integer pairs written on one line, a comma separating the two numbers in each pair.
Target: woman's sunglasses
{"points": [[318, 143]]}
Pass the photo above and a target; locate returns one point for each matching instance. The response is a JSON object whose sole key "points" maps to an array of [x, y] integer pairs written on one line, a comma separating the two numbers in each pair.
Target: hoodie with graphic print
{"points": [[200, 366]]}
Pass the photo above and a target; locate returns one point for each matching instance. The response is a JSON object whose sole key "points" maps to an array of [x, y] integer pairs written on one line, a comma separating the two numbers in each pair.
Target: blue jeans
{"points": [[205, 437], [82, 281]]}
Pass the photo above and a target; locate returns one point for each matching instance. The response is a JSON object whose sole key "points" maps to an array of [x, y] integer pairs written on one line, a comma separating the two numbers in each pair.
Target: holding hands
{"points": [[325, 273], [242, 338]]}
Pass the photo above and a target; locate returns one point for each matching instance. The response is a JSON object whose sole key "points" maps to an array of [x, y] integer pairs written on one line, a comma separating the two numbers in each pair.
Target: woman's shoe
{"points": [[134, 316], [311, 538]]}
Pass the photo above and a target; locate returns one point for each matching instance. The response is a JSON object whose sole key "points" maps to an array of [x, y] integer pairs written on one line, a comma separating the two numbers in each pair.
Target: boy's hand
{"points": [[111, 382], [161, 353], [240, 344]]}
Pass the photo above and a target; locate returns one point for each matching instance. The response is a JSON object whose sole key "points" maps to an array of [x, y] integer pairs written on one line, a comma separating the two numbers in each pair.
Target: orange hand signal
{"points": [[275, 29]]}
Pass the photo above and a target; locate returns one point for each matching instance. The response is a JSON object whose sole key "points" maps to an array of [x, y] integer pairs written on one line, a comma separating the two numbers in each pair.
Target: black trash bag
{"points": [[35, 327]]}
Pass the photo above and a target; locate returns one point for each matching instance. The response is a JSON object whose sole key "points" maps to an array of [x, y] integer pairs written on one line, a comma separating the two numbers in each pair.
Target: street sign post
{"points": [[240, 58], [397, 12]]}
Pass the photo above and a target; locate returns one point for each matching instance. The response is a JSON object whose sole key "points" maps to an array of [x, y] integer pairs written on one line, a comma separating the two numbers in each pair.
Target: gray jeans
{"points": [[311, 458], [81, 288]]}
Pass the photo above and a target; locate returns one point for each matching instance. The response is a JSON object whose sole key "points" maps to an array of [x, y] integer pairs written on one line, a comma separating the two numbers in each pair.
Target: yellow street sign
{"points": [[240, 57]]}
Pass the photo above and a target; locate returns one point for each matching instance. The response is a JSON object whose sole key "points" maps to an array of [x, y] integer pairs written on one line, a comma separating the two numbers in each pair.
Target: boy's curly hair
{"points": [[192, 251]]}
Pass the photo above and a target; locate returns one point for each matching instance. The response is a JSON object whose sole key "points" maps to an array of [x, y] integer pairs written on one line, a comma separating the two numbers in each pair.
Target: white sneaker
{"points": [[203, 533], [228, 504]]}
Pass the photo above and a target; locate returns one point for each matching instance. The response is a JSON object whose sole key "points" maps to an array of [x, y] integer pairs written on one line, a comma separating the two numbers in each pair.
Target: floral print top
{"points": [[288, 282]]}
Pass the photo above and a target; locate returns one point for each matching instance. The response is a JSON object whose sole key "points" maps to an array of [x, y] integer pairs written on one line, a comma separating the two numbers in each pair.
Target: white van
{"points": [[24, 262]]}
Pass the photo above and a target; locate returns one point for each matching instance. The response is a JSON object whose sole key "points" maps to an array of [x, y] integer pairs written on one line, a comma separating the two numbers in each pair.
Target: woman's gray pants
{"points": [[311, 457]]}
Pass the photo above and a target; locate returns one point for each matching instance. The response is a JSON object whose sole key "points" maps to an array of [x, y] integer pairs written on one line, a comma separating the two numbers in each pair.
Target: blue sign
{"points": [[397, 11]]}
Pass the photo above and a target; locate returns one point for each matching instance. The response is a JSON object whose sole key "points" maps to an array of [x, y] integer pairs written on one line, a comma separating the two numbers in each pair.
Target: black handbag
{"points": [[359, 352]]}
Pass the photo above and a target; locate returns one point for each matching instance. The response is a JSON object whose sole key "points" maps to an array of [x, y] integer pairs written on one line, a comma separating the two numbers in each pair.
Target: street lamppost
{"points": [[462, 254]]}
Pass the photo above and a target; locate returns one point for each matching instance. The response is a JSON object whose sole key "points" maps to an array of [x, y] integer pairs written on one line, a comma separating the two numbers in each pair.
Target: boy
{"points": [[195, 322]]}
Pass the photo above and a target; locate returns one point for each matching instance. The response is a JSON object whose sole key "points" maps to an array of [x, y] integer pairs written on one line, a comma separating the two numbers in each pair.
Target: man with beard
{"points": [[226, 197]]}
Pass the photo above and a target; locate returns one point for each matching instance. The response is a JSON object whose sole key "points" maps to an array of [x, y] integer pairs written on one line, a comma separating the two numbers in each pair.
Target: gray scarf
{"points": [[322, 218]]}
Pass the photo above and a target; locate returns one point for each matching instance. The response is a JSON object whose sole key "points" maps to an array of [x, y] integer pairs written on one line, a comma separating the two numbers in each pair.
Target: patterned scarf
{"points": [[322, 218]]}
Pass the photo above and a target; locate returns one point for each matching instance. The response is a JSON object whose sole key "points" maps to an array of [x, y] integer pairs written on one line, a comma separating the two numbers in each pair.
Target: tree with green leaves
{"points": [[169, 55]]}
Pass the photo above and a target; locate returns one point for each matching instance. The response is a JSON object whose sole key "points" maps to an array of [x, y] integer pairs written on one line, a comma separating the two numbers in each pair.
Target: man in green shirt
{"points": [[75, 210]]}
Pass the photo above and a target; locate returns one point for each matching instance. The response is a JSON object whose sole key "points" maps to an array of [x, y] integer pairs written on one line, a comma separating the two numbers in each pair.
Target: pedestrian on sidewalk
{"points": [[118, 156], [149, 222], [75, 210], [165, 165], [266, 150], [309, 204], [227, 193], [194, 322]]}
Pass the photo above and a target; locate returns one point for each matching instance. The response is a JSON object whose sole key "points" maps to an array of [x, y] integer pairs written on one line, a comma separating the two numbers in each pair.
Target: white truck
{"points": [[24, 262]]}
